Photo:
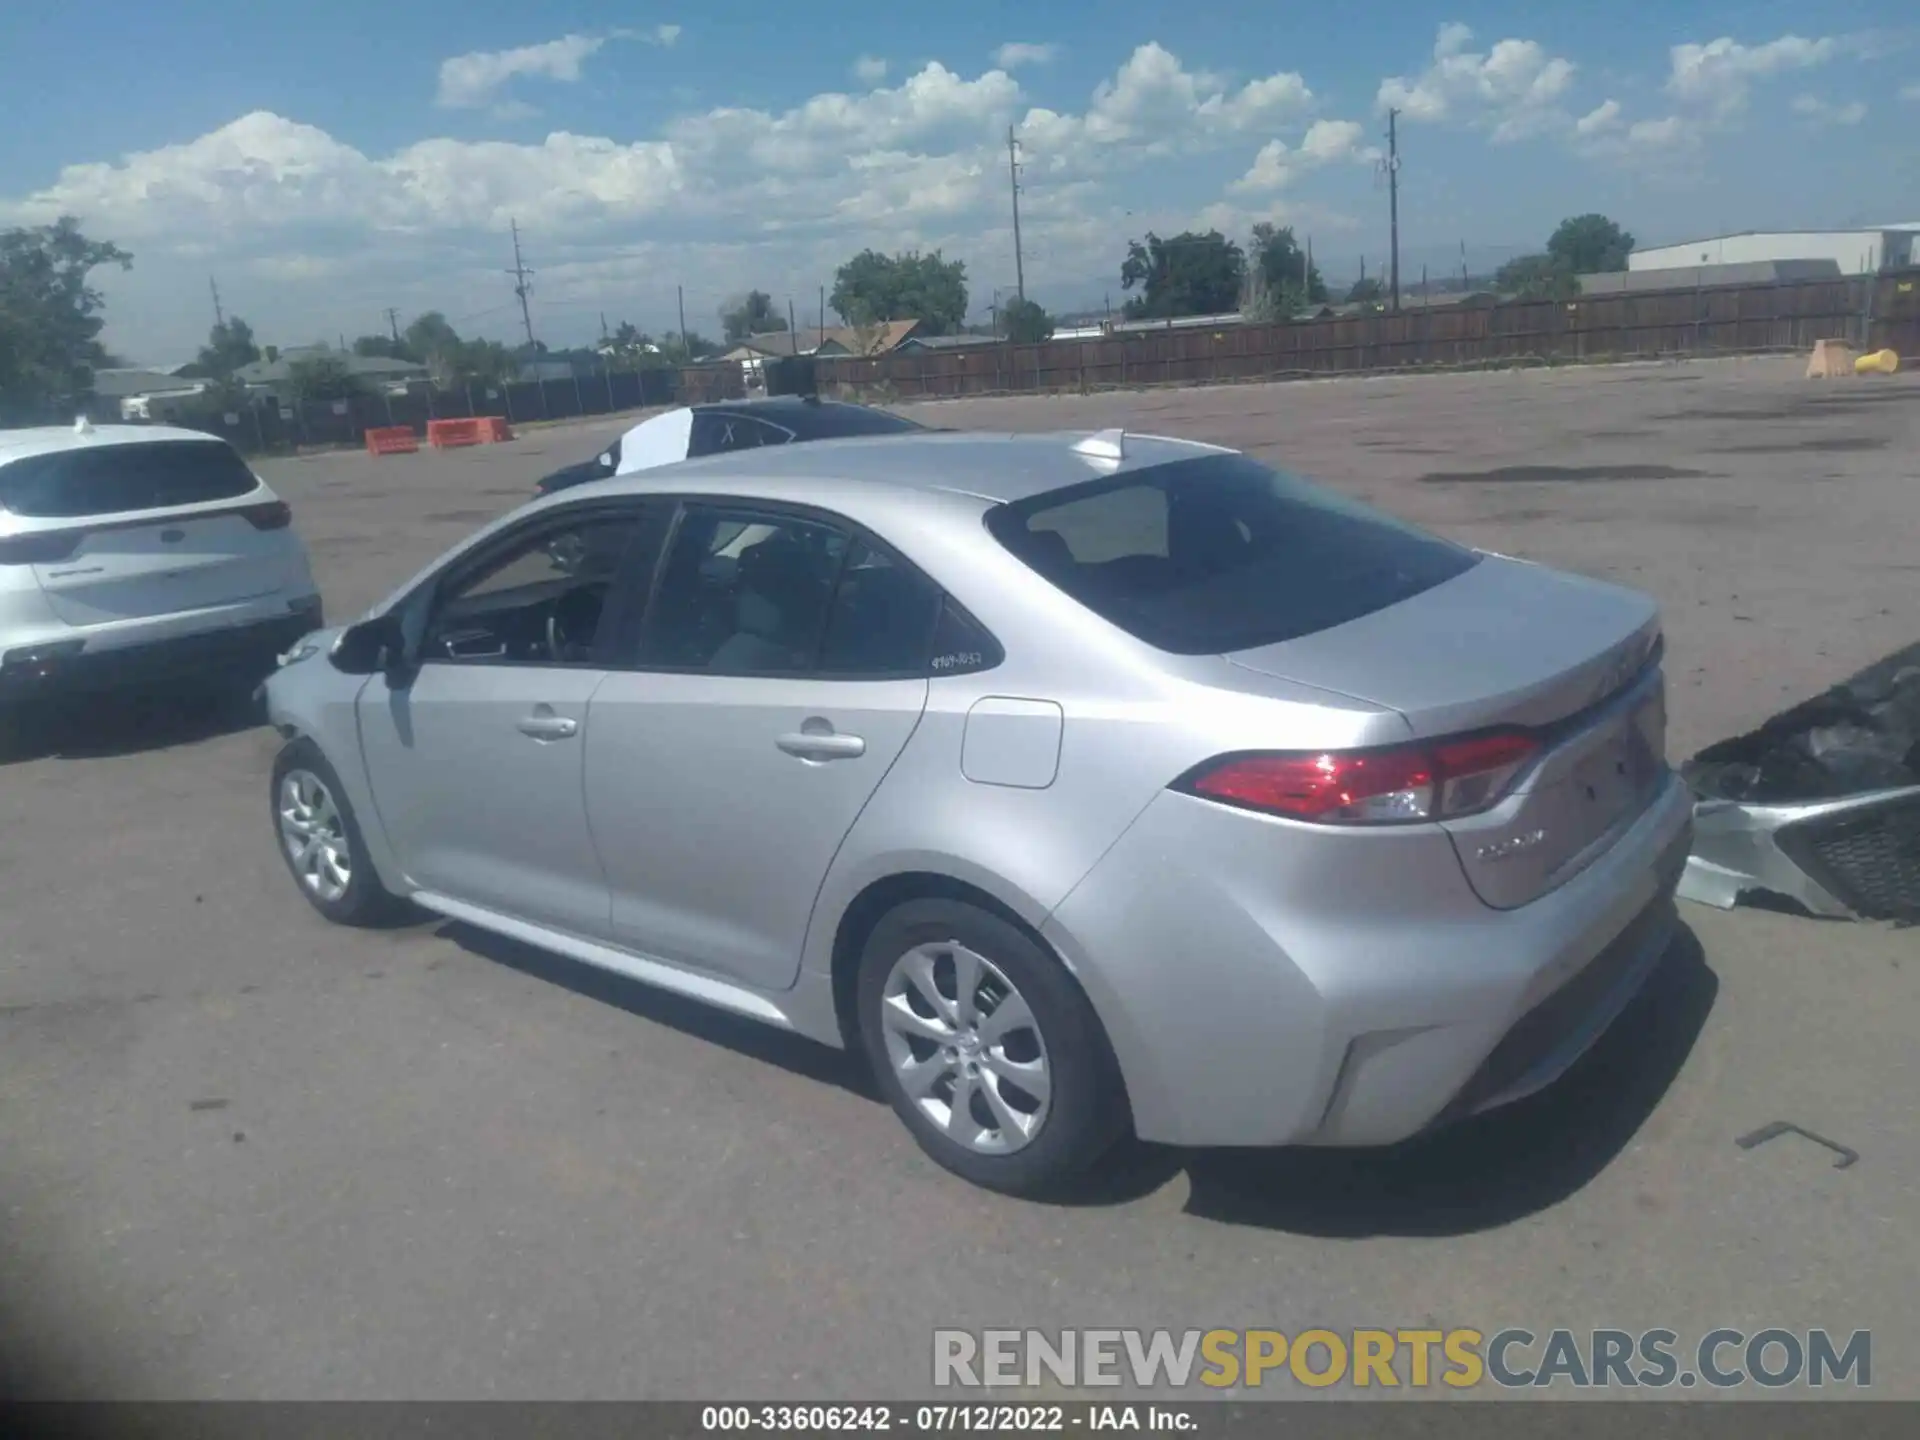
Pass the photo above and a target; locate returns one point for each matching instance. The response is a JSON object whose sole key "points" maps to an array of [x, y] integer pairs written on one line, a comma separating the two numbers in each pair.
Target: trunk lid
{"points": [[1507, 643]]}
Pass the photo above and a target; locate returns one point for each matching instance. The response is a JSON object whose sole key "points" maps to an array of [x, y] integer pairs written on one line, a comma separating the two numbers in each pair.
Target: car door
{"points": [[776, 676], [475, 758]]}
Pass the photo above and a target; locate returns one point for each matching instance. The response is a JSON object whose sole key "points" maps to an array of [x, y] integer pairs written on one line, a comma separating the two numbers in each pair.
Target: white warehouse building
{"points": [[1856, 252]]}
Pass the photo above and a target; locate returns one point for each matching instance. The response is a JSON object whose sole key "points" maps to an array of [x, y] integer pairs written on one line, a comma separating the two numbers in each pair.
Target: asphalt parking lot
{"points": [[243, 1154]]}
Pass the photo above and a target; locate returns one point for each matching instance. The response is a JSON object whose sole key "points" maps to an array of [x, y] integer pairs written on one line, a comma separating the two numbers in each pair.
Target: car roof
{"points": [[809, 418], [999, 468], [52, 439]]}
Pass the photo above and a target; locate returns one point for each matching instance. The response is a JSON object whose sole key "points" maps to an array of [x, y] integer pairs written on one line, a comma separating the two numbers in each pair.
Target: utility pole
{"points": [[793, 333], [393, 323], [603, 327], [1393, 198], [823, 314], [680, 291], [521, 275], [219, 317], [1013, 177]]}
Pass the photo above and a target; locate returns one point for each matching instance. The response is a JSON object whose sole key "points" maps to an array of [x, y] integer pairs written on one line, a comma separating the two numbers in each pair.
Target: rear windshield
{"points": [[833, 422], [111, 479], [1221, 553]]}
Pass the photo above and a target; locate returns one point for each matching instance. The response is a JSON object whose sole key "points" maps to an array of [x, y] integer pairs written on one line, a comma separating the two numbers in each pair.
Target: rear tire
{"points": [[957, 1004], [321, 843]]}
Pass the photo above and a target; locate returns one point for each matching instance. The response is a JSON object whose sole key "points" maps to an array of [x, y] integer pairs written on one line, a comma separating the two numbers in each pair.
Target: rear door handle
{"points": [[549, 727], [822, 747]]}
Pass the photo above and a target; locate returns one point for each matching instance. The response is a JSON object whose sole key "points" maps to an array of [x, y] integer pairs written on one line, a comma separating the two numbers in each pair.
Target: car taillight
{"points": [[1396, 785], [46, 548], [269, 515]]}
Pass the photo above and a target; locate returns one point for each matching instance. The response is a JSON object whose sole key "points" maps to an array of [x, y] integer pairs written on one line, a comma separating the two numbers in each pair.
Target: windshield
{"points": [[1222, 553]]}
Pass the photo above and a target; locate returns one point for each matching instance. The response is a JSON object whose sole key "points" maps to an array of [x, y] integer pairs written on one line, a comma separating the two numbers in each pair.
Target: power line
{"points": [[521, 275], [1013, 177]]}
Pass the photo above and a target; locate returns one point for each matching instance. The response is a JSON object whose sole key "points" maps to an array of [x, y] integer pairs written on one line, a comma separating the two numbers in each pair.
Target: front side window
{"points": [[540, 602], [1221, 553]]}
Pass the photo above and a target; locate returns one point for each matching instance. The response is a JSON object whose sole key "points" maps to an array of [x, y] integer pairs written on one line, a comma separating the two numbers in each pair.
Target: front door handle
{"points": [[827, 746], [549, 727]]}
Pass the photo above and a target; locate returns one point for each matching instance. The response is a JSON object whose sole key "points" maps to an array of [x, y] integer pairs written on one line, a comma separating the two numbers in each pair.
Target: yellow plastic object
{"points": [[1880, 362]]}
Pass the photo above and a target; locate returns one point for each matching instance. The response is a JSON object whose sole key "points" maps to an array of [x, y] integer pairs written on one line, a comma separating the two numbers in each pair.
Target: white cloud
{"points": [[1719, 76], [1513, 90], [471, 80], [870, 69], [1326, 142], [1017, 52], [1602, 119], [1825, 112]]}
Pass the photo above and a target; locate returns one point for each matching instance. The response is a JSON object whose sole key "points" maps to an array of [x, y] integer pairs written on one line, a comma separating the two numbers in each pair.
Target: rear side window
{"points": [[1221, 553], [111, 479]]}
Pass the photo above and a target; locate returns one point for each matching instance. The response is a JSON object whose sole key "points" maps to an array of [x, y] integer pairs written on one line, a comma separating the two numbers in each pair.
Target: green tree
{"points": [[750, 314], [484, 362], [436, 344], [1589, 245], [873, 287], [1189, 274], [50, 317], [1536, 277], [1283, 271], [229, 346], [1027, 323], [1366, 291], [320, 378]]}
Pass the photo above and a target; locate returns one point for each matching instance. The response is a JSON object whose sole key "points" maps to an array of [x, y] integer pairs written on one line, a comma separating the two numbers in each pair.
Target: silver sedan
{"points": [[1082, 783]]}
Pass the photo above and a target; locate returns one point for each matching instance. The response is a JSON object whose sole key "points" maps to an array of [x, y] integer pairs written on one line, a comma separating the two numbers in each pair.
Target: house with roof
{"points": [[273, 372], [822, 343]]}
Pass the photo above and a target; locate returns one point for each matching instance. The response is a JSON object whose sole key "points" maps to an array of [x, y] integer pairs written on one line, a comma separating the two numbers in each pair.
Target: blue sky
{"points": [[327, 163]]}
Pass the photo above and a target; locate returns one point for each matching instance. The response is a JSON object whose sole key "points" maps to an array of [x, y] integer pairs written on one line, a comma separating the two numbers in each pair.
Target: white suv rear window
{"points": [[116, 479]]}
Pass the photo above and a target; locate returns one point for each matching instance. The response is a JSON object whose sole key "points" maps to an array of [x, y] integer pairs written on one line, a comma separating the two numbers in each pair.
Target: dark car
{"points": [[724, 426]]}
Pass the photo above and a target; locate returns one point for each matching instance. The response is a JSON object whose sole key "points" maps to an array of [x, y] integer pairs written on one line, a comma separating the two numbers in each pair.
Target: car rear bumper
{"points": [[1348, 988], [243, 647]]}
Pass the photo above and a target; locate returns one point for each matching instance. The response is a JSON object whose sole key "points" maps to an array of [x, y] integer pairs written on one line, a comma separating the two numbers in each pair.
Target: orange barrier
{"points": [[392, 440], [496, 429], [442, 434]]}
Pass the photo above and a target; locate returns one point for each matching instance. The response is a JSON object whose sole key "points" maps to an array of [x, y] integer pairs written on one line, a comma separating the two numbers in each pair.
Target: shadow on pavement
{"points": [[95, 727], [1477, 1175]]}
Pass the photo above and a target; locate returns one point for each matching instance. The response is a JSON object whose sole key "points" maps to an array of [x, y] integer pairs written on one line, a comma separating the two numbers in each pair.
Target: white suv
{"points": [[138, 553]]}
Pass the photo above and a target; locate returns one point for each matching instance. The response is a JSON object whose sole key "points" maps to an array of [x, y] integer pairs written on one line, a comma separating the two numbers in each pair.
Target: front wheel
{"points": [[986, 1048], [321, 842]]}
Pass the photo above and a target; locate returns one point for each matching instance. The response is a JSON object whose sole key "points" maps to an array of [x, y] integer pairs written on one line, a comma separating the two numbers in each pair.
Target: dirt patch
{"points": [[1558, 474], [1831, 445]]}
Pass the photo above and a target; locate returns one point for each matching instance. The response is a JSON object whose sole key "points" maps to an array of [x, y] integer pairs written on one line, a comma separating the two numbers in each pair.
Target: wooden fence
{"points": [[1722, 320]]}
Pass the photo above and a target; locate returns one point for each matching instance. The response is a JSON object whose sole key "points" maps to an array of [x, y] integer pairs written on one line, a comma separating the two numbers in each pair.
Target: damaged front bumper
{"points": [[1820, 806], [1853, 858]]}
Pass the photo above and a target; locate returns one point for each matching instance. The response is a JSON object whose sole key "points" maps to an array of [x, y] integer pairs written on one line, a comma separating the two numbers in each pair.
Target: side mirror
{"points": [[606, 461], [370, 647]]}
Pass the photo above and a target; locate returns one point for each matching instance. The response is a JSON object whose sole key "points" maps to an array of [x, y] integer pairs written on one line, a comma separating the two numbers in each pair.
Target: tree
{"points": [[1190, 274], [909, 286], [50, 316], [1589, 245], [320, 378], [1280, 276], [1536, 277], [229, 346], [750, 314], [436, 344], [1028, 324], [1366, 291]]}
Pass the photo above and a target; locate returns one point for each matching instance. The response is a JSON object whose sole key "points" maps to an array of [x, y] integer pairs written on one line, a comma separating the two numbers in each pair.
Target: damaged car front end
{"points": [[1820, 806]]}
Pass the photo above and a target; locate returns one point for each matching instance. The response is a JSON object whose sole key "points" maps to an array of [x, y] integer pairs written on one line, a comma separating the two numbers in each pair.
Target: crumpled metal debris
{"points": [[1820, 805]]}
